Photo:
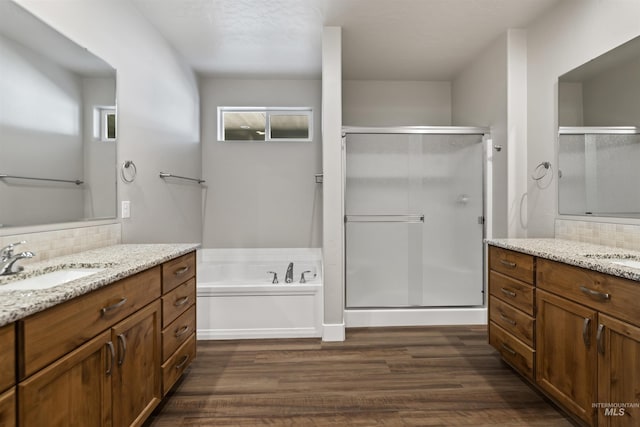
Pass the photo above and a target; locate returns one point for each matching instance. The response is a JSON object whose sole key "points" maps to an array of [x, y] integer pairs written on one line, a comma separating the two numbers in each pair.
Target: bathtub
{"points": [[237, 299]]}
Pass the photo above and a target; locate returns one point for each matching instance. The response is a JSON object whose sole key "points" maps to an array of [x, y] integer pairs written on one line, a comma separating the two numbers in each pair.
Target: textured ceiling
{"points": [[382, 39]]}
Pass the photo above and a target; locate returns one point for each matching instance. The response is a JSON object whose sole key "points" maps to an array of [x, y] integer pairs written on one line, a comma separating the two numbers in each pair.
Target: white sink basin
{"points": [[626, 262], [49, 280]]}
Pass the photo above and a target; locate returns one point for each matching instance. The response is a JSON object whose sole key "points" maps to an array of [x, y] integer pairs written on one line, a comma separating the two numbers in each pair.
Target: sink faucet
{"points": [[8, 259], [288, 277]]}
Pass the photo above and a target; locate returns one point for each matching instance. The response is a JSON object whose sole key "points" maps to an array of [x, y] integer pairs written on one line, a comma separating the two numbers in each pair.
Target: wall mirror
{"points": [[57, 126], [599, 137]]}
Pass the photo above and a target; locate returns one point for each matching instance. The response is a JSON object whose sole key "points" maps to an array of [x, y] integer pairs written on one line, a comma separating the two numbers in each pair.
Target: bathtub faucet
{"points": [[288, 277]]}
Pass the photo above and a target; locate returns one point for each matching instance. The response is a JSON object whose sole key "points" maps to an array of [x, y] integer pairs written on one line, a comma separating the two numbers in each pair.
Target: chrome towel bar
{"points": [[170, 175], [72, 181], [409, 218]]}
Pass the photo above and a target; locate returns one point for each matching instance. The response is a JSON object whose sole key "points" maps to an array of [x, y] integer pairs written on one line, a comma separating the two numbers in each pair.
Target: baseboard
{"points": [[333, 332], [263, 333], [415, 317]]}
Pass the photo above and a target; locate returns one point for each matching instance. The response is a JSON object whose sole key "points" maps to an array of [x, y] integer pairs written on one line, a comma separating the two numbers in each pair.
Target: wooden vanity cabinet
{"points": [[178, 318], [7, 376], [511, 308]]}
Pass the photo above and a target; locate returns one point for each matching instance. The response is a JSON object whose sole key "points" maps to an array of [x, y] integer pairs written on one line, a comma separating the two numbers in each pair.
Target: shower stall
{"points": [[414, 217]]}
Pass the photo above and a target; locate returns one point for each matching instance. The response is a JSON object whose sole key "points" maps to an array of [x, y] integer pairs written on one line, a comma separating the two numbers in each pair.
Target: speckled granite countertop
{"points": [[118, 261], [594, 257]]}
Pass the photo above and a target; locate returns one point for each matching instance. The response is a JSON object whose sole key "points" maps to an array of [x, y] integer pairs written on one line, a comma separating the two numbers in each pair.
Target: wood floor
{"points": [[418, 376]]}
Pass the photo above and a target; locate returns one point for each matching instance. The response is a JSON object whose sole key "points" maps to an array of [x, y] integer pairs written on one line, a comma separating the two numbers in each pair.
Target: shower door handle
{"points": [[402, 218]]}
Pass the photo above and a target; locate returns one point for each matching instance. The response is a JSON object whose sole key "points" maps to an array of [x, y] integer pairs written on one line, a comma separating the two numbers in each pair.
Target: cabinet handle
{"points": [[600, 338], [181, 301], [112, 357], [508, 292], [105, 310], [508, 264], [184, 360], [123, 345], [180, 332], [181, 271], [586, 332], [508, 349], [595, 294], [506, 319]]}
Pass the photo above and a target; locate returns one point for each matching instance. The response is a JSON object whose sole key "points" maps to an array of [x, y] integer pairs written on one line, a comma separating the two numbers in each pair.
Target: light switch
{"points": [[126, 209]]}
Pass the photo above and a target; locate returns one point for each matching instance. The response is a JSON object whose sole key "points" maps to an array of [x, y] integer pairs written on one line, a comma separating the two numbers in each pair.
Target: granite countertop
{"points": [[117, 262], [586, 255]]}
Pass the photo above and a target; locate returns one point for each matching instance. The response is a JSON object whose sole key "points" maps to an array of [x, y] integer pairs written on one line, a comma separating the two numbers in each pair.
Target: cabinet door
{"points": [[566, 357], [136, 383], [74, 391], [618, 372], [8, 408]]}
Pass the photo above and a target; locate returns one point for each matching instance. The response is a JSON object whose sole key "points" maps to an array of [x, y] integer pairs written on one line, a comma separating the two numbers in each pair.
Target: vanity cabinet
{"points": [[7, 376], [178, 318], [511, 308], [99, 359]]}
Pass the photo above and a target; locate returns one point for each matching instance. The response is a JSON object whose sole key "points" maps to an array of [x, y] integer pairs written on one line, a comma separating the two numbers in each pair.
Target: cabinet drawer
{"points": [[177, 271], [605, 293], [8, 408], [513, 292], [512, 350], [513, 264], [47, 335], [178, 332], [512, 320], [178, 301], [173, 368], [7, 356]]}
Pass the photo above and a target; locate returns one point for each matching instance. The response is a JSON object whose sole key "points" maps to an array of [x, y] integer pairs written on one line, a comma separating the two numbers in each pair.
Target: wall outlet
{"points": [[126, 209]]}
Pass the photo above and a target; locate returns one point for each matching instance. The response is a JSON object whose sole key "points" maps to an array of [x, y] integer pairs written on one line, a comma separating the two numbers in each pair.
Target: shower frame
{"points": [[419, 130]]}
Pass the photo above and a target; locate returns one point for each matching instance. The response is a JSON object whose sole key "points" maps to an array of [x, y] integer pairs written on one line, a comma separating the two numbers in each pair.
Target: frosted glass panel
{"points": [[393, 263]]}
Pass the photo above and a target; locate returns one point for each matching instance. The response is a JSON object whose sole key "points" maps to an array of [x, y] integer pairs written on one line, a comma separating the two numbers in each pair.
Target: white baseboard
{"points": [[264, 333], [333, 332], [415, 317]]}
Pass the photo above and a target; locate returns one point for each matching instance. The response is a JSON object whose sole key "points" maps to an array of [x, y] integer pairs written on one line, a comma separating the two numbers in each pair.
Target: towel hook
{"points": [[128, 165], [539, 173]]}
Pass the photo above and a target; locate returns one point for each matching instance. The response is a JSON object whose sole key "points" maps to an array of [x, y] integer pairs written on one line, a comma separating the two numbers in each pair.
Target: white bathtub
{"points": [[237, 299]]}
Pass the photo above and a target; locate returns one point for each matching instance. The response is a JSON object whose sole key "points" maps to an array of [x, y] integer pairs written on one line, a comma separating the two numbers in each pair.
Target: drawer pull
{"points": [[112, 357], [105, 310], [180, 332], [508, 263], [181, 301], [595, 294], [508, 320], [123, 344], [508, 292], [508, 349], [600, 338], [586, 332], [184, 360], [181, 271]]}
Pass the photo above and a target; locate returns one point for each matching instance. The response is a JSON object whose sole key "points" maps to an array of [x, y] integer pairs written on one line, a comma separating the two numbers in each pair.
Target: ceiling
{"points": [[382, 39]]}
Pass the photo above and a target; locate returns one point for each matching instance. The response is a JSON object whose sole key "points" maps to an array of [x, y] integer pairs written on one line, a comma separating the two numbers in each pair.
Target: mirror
{"points": [[57, 126], [598, 138]]}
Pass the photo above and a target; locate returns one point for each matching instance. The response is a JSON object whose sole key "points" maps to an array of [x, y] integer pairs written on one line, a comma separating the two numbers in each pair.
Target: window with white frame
{"points": [[265, 124], [104, 123]]}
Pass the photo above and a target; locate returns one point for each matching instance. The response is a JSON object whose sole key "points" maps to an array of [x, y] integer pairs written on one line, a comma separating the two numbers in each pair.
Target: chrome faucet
{"points": [[8, 259], [288, 277]]}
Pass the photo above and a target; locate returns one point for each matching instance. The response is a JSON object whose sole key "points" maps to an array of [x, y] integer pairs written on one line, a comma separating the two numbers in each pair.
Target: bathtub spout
{"points": [[288, 277]]}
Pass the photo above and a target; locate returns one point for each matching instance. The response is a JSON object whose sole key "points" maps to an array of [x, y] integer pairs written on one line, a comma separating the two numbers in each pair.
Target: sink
{"points": [[626, 261], [49, 280]]}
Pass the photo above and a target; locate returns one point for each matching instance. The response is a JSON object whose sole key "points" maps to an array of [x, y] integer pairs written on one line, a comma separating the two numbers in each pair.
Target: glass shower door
{"points": [[412, 205]]}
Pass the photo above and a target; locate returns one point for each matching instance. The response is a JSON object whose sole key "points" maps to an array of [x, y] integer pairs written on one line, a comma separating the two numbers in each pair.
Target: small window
{"points": [[104, 123], [264, 124]]}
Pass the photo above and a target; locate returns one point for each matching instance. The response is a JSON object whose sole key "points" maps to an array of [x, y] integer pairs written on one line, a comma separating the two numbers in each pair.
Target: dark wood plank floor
{"points": [[418, 376]]}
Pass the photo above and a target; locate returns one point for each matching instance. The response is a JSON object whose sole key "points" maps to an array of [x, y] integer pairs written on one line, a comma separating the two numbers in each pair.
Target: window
{"points": [[104, 123], [264, 124]]}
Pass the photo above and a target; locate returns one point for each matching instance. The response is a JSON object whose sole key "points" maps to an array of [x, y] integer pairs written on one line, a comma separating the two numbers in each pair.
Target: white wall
{"points": [[261, 195], [396, 103], [569, 35], [39, 97], [158, 113]]}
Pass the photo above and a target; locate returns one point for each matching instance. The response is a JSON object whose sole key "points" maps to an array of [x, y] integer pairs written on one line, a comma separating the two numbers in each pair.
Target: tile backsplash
{"points": [[626, 236], [51, 244]]}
